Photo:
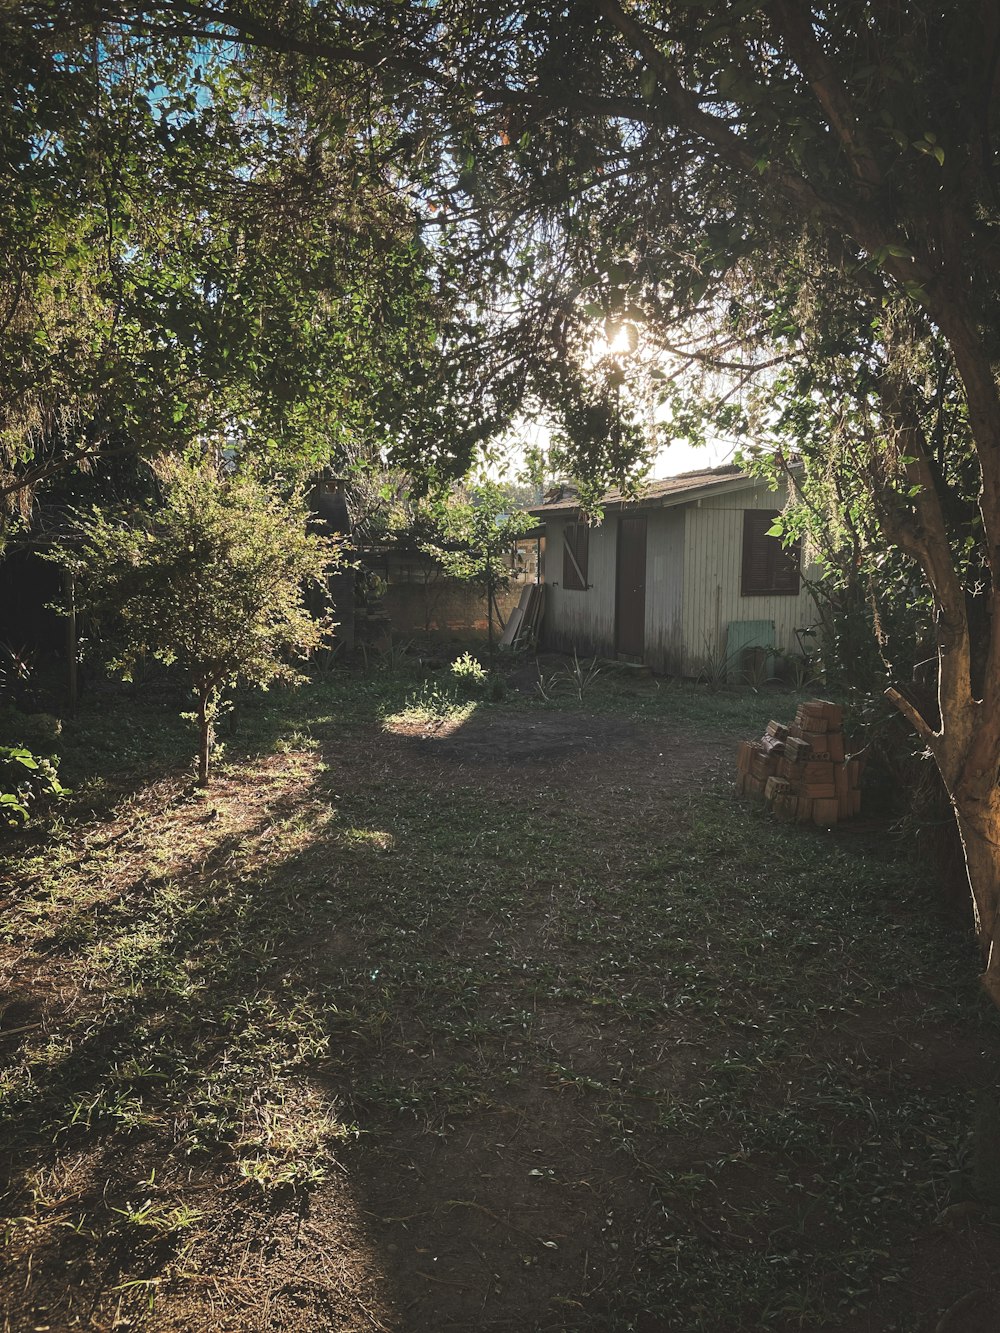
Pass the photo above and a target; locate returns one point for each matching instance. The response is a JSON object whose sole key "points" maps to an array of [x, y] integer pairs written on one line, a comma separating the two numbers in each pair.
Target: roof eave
{"points": [[669, 500]]}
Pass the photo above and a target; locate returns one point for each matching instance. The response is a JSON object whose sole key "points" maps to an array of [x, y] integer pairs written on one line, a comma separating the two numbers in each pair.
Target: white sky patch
{"points": [[622, 342], [680, 456], [674, 458]]}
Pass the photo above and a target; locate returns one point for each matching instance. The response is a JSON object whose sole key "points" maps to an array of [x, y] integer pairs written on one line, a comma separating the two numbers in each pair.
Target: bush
{"points": [[214, 580], [470, 673], [496, 687], [25, 779]]}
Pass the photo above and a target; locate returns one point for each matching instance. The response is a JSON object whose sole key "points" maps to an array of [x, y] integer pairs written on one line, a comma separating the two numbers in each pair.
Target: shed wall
{"points": [[694, 558], [713, 561], [665, 561], [581, 621]]}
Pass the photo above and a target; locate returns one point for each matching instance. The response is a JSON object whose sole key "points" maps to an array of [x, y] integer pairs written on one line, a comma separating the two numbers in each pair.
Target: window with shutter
{"points": [[769, 569], [576, 542]]}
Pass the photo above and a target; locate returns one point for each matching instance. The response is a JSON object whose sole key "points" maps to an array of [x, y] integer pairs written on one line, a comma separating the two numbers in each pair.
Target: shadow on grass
{"points": [[615, 1050]]}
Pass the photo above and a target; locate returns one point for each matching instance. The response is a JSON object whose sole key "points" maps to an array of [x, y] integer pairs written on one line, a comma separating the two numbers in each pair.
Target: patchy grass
{"points": [[441, 1014]]}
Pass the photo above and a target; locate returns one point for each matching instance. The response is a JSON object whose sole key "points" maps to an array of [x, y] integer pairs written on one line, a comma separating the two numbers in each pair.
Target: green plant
{"points": [[212, 581], [25, 778], [471, 539], [757, 667], [800, 672], [576, 678], [547, 685], [431, 701], [716, 666], [469, 672], [581, 675], [17, 671], [159, 1219], [496, 687], [390, 656], [370, 588]]}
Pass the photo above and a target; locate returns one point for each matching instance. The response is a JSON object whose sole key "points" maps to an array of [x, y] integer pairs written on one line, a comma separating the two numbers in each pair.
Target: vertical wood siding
{"points": [[694, 555], [665, 589], [714, 552], [581, 621]]}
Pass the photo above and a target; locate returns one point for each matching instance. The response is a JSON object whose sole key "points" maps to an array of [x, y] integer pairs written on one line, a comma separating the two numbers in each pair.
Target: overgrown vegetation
{"points": [[472, 538], [583, 1013]]}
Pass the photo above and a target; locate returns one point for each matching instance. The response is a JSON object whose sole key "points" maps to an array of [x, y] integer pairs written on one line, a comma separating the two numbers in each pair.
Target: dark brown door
{"points": [[630, 601]]}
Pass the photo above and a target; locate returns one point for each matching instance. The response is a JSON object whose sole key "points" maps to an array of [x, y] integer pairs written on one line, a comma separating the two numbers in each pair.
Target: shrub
{"points": [[25, 778], [469, 672], [214, 580]]}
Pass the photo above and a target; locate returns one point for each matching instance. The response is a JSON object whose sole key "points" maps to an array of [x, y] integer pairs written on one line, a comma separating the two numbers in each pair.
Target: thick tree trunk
{"points": [[978, 818]]}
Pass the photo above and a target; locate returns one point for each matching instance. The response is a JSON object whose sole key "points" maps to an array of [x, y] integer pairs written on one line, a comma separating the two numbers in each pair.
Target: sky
{"points": [[683, 457], [670, 461]]}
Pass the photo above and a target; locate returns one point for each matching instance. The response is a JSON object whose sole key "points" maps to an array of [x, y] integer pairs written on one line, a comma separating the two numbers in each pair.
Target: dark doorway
{"points": [[630, 600]]}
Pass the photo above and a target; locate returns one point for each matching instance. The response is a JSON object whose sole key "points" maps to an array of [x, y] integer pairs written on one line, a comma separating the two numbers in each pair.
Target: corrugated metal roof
{"points": [[663, 492]]}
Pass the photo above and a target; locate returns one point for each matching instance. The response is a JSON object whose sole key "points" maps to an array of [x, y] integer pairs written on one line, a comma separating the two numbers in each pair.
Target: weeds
{"points": [[390, 657], [158, 1219], [575, 679], [581, 675], [468, 670], [433, 702], [716, 667], [758, 668], [802, 673]]}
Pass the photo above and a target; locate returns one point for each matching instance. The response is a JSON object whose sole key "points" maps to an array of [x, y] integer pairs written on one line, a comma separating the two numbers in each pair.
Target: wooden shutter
{"points": [[769, 569], [576, 544]]}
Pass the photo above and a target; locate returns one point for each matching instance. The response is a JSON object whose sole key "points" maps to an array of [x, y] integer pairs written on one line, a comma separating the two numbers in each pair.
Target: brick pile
{"points": [[802, 771]]}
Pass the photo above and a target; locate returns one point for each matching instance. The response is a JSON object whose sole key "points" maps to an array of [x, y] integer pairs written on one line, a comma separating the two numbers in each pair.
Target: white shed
{"points": [[684, 572]]}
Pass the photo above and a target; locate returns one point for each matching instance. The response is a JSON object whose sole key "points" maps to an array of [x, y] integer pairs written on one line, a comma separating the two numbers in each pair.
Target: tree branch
{"points": [[912, 715], [792, 22]]}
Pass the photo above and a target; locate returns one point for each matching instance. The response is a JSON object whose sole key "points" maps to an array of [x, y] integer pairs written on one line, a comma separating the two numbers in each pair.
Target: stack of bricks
{"points": [[802, 771]]}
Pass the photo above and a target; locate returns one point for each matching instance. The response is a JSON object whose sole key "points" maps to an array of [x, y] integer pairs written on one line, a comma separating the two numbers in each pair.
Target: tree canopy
{"points": [[762, 184], [188, 255]]}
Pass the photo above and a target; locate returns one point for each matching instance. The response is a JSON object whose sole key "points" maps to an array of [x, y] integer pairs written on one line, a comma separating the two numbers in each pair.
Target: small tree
{"points": [[213, 581], [473, 540]]}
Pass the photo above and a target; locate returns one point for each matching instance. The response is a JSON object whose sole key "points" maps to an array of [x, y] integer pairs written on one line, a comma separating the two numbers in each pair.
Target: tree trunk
{"points": [[205, 712], [978, 819], [72, 648], [489, 616]]}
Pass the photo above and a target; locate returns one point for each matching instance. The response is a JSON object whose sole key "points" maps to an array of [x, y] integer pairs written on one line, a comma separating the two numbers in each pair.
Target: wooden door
{"points": [[630, 599]]}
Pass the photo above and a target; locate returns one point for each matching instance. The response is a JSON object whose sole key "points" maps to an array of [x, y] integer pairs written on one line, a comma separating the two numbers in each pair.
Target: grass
{"points": [[746, 1057]]}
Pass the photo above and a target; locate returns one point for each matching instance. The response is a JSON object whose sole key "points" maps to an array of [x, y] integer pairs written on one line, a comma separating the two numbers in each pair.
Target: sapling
{"points": [[213, 581]]}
